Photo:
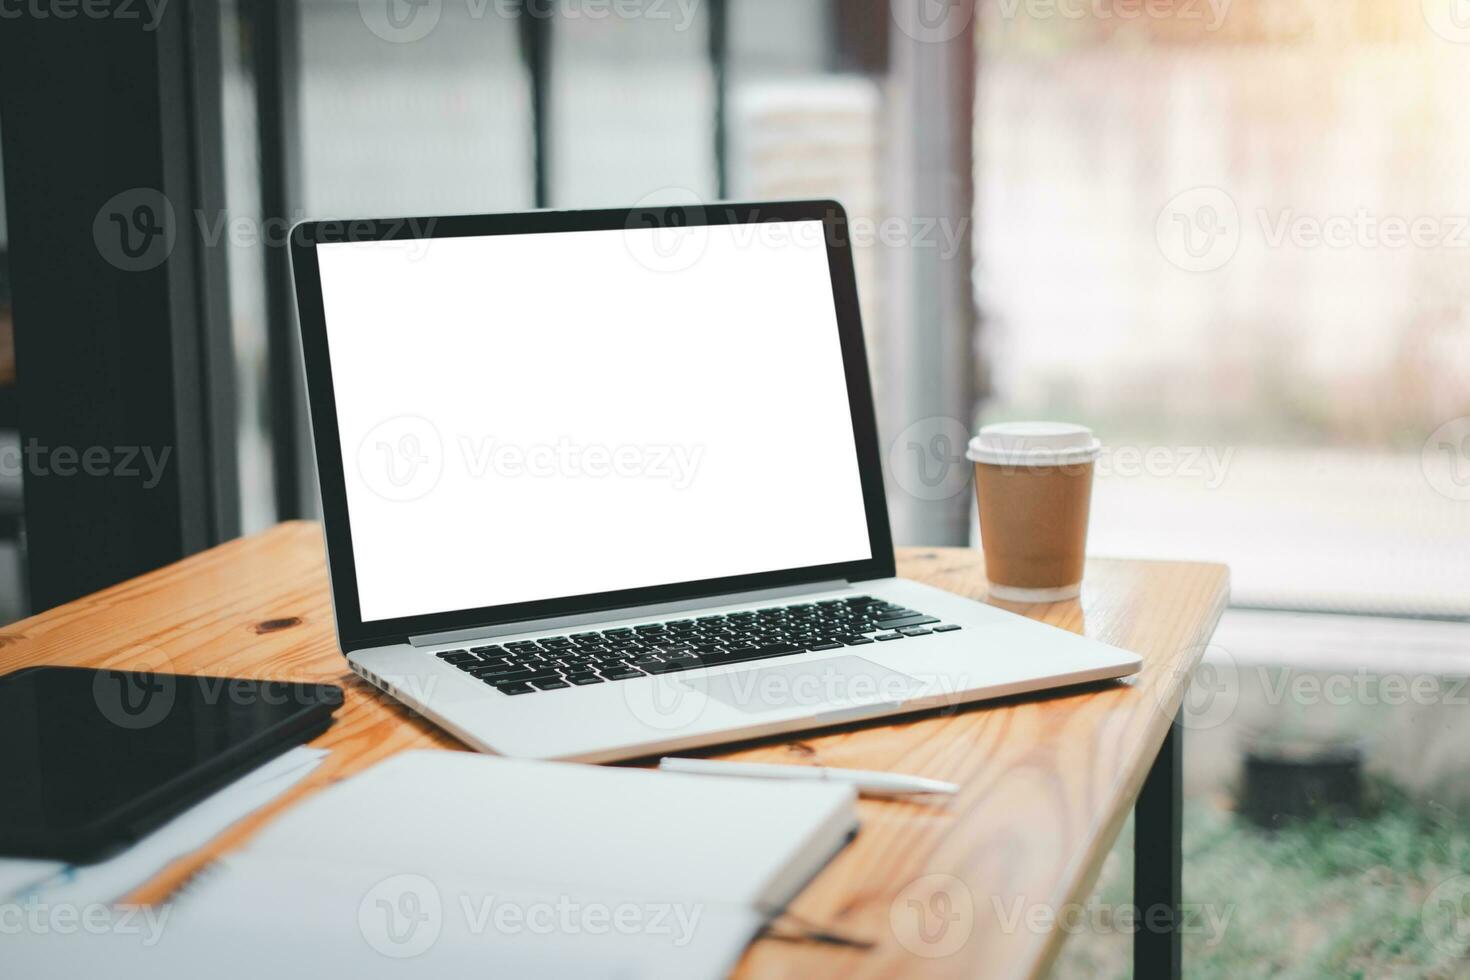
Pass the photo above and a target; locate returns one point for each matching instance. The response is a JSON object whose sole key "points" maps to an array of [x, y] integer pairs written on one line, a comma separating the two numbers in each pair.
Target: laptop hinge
{"points": [[626, 612]]}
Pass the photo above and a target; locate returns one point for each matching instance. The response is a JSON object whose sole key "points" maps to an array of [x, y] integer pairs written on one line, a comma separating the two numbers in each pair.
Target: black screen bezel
{"points": [[353, 632]]}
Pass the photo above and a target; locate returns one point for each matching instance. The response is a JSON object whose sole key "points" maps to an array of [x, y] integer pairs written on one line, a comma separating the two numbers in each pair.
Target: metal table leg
{"points": [[1158, 862]]}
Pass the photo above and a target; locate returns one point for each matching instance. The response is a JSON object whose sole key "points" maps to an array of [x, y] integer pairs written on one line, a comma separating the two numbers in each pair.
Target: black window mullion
{"points": [[275, 46], [534, 20], [204, 94], [719, 56]]}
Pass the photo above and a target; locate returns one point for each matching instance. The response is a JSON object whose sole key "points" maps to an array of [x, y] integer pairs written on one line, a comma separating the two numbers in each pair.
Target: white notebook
{"points": [[450, 864]]}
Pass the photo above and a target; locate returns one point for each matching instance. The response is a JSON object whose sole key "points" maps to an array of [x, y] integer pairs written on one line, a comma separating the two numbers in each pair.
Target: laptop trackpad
{"points": [[815, 684]]}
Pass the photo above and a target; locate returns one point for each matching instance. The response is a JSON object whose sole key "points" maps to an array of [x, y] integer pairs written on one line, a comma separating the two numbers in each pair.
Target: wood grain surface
{"points": [[941, 890]]}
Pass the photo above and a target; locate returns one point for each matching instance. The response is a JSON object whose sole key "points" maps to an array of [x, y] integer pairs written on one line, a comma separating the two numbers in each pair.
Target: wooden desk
{"points": [[1048, 781]]}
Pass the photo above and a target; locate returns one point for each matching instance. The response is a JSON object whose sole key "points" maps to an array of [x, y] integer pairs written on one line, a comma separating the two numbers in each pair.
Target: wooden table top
{"points": [[1047, 780]]}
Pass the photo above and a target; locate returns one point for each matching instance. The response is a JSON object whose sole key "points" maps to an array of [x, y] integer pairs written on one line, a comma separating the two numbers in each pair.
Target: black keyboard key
{"points": [[479, 668], [750, 653], [582, 680], [515, 676], [900, 622], [625, 652], [670, 666], [514, 688]]}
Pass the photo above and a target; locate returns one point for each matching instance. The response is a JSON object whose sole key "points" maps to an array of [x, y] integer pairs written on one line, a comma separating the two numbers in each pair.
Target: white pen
{"points": [[866, 781]]}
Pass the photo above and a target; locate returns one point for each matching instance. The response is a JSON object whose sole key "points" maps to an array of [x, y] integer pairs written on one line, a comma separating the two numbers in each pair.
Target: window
{"points": [[409, 124], [632, 104], [1198, 236], [464, 108], [1196, 231]]}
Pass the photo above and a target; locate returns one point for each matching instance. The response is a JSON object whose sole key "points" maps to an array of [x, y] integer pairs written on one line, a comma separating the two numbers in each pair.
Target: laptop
{"points": [[603, 484]]}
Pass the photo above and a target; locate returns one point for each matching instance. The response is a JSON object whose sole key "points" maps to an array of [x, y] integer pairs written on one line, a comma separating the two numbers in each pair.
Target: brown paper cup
{"points": [[1034, 507]]}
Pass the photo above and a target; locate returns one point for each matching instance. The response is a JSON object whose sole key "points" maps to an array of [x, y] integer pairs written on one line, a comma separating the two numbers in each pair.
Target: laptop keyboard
{"points": [[580, 659]]}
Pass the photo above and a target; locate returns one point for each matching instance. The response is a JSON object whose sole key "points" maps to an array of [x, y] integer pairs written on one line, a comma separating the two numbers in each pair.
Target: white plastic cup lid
{"points": [[1034, 444]]}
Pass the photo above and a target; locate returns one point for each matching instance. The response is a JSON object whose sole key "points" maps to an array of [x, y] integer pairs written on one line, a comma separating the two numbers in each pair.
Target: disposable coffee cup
{"points": [[1033, 484]]}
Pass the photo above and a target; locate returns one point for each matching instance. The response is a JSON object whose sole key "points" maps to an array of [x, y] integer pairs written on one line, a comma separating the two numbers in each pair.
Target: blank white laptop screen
{"points": [[531, 417]]}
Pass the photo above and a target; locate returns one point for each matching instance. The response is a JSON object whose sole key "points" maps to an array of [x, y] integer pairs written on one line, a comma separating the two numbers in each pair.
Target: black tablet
{"points": [[90, 760]]}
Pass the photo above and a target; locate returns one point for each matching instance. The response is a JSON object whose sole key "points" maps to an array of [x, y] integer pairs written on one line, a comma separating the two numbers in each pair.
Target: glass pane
{"points": [[1231, 238], [632, 103], [429, 115], [1231, 245], [801, 129]]}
